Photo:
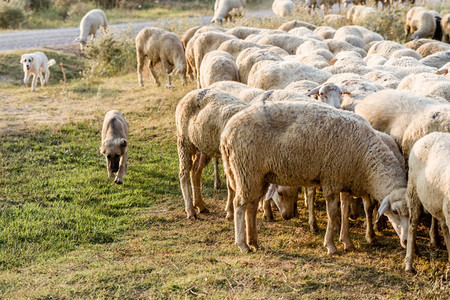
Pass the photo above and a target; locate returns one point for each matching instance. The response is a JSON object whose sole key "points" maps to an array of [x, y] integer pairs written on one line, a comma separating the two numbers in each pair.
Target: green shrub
{"points": [[36, 5], [111, 54], [387, 23], [11, 16]]}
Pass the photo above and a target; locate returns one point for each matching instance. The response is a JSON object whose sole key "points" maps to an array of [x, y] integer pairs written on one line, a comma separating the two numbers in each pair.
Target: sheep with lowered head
{"points": [[160, 45], [249, 57], [420, 23], [223, 9], [217, 66], [237, 89], [445, 24], [428, 178], [367, 168], [89, 25]]}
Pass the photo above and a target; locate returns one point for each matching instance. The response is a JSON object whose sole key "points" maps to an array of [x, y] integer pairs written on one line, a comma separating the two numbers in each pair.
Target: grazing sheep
{"points": [[242, 32], [405, 61], [188, 34], [90, 23], [237, 89], [311, 46], [249, 57], [429, 175], [115, 145], [420, 23], [415, 44], [283, 8], [278, 75], [304, 32], [302, 86], [200, 118], [286, 42], [383, 78], [350, 35], [445, 25], [432, 48], [312, 59], [217, 66], [337, 46], [372, 60], [204, 43], [368, 35], [294, 24], [329, 93], [223, 8], [281, 95], [385, 48], [326, 32], [436, 86], [370, 167], [358, 13], [160, 45], [406, 52], [437, 60], [235, 46]]}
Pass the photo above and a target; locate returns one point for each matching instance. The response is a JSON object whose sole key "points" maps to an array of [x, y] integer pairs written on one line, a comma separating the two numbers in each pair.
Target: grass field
{"points": [[67, 231]]}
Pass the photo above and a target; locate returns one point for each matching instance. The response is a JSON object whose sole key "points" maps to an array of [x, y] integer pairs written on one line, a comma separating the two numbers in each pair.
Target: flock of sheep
{"points": [[306, 106]]}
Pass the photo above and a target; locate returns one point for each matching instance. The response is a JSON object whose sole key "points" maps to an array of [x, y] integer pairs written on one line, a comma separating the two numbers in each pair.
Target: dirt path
{"points": [[65, 36]]}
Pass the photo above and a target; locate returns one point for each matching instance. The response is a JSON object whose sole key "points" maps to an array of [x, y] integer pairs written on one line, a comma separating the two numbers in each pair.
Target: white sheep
{"points": [[304, 32], [372, 60], [217, 66], [445, 25], [302, 86], [90, 23], [204, 43], [437, 60], [402, 72], [420, 23], [436, 85], [358, 13], [405, 61], [237, 89], [385, 48], [313, 59], [383, 78], [235, 46], [415, 44], [336, 46], [287, 42], [329, 93], [327, 32], [432, 48], [429, 175], [350, 35], [278, 75], [200, 117], [160, 45], [367, 168], [223, 8], [283, 8], [293, 24], [188, 34], [242, 32], [406, 52], [250, 56]]}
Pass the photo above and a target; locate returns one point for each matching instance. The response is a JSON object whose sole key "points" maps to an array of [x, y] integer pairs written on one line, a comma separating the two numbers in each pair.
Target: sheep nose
{"points": [[287, 216]]}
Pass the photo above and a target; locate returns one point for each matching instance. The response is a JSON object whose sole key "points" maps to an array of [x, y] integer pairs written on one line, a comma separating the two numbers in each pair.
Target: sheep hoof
{"points": [[410, 269], [268, 218], [204, 210], [314, 228], [245, 249], [350, 247], [118, 180], [191, 215], [229, 216], [331, 250]]}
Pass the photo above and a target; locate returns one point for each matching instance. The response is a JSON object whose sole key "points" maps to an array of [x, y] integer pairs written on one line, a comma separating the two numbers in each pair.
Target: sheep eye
{"points": [[395, 212], [280, 193]]}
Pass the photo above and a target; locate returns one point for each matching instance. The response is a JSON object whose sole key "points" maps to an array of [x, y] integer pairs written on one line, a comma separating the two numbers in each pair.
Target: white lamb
{"points": [[368, 168], [223, 9], [428, 186], [89, 25]]}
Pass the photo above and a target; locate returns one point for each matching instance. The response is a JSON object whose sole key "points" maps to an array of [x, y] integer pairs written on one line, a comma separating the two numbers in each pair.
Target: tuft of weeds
{"points": [[388, 23], [111, 54]]}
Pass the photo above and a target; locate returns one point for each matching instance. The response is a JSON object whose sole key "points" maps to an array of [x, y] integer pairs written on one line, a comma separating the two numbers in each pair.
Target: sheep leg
{"points": [[239, 224], [434, 233], [168, 68], [140, 67], [332, 213], [217, 183], [414, 214], [310, 195], [200, 161], [345, 209], [229, 208], [153, 73], [446, 234], [250, 215], [369, 206], [267, 207], [122, 169], [185, 154]]}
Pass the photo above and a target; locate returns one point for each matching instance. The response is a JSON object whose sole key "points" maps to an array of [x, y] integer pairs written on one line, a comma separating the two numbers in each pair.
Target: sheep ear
{"points": [[383, 207], [102, 148], [314, 91], [123, 143], [270, 191], [332, 61]]}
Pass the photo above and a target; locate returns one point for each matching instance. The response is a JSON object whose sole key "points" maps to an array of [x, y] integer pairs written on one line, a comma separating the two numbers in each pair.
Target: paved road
{"points": [[65, 36]]}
